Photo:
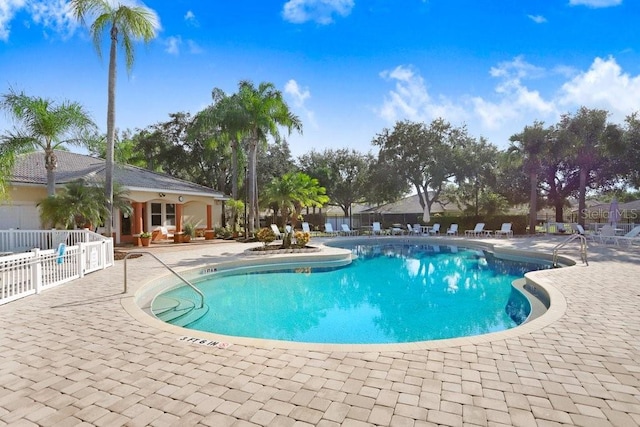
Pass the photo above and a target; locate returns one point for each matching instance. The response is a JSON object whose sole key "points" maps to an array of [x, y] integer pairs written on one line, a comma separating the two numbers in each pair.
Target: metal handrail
{"points": [[168, 268], [583, 248]]}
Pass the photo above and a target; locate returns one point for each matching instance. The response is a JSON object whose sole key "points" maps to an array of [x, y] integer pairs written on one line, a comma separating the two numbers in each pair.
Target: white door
{"points": [[24, 217]]}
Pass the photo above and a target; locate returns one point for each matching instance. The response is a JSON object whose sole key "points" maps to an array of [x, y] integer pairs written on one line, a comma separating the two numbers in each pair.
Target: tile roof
{"points": [[29, 169]]}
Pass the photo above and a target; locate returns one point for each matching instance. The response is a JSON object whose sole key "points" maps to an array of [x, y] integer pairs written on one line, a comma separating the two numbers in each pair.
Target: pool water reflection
{"points": [[391, 293]]}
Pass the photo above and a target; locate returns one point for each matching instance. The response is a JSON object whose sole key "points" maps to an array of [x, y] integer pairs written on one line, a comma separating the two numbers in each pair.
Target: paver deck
{"points": [[74, 356]]}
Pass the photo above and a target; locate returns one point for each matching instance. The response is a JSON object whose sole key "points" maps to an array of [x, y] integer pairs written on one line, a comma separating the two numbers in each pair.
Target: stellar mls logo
{"points": [[596, 214], [207, 343]]}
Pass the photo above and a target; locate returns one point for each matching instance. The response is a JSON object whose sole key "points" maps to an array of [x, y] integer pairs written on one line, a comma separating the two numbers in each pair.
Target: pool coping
{"points": [[557, 308]]}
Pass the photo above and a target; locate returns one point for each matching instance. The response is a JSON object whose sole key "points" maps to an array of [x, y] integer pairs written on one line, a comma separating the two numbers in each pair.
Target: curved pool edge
{"points": [[557, 308]]}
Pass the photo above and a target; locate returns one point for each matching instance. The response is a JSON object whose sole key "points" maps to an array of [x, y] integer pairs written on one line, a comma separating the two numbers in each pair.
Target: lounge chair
{"points": [[630, 237], [410, 230], [607, 233], [376, 229], [277, 232], [347, 231], [505, 230], [436, 229], [328, 229], [476, 232], [417, 229], [306, 228], [396, 229], [452, 230]]}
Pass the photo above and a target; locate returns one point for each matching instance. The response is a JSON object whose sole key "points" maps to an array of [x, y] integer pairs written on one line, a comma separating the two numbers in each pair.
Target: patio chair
{"points": [[505, 230], [476, 232], [452, 230], [277, 232], [607, 234], [347, 231], [436, 229], [396, 229], [417, 229], [328, 229], [631, 237], [376, 229]]}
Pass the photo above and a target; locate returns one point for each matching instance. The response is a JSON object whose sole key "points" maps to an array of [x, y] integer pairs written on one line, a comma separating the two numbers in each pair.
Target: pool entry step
{"points": [[177, 311]]}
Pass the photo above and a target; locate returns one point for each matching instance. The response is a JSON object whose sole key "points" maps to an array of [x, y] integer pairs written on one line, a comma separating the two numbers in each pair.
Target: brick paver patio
{"points": [[74, 356]]}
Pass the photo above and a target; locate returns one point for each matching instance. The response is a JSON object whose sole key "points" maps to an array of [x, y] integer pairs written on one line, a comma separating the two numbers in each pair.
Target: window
{"points": [[171, 214], [156, 214]]}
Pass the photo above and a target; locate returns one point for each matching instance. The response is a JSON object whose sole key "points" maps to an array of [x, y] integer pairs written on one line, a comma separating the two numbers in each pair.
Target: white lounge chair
{"points": [[607, 234], [410, 230], [436, 229], [328, 229], [376, 229], [417, 229], [306, 228], [505, 230], [277, 232], [452, 230], [630, 237], [476, 232], [347, 231]]}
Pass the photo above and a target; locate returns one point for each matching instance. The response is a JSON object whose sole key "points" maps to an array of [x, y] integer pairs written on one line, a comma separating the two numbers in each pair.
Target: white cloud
{"points": [[190, 17], [410, 99], [173, 44], [300, 96], [194, 48], [53, 15], [515, 101], [595, 3], [320, 11], [603, 85], [538, 19], [8, 9]]}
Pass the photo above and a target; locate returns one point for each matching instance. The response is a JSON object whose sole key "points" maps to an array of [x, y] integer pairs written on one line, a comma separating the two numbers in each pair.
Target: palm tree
{"points": [[44, 125], [531, 144], [264, 109], [294, 191], [130, 23], [80, 203]]}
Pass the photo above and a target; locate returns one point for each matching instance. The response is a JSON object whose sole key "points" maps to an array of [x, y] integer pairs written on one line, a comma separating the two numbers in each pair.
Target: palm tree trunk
{"points": [[50, 165], [111, 129], [533, 203], [234, 168], [252, 196]]}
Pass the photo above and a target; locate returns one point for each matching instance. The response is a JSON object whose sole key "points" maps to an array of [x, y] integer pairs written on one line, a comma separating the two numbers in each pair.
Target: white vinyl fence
{"points": [[55, 257]]}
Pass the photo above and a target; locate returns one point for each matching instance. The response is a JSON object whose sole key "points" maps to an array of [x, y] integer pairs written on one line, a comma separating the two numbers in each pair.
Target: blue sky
{"points": [[347, 68]]}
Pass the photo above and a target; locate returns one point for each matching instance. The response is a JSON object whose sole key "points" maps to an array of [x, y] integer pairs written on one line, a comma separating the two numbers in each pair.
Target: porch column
{"points": [[209, 217], [178, 217], [137, 227]]}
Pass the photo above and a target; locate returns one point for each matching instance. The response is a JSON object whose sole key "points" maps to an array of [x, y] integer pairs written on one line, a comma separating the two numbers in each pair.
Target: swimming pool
{"points": [[390, 293]]}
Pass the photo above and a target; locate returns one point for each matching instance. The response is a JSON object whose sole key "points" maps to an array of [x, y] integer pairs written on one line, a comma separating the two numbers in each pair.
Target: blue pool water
{"points": [[391, 293]]}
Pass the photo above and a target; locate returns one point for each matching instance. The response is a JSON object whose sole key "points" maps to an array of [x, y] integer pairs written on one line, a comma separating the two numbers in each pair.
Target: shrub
{"points": [[266, 235], [302, 238]]}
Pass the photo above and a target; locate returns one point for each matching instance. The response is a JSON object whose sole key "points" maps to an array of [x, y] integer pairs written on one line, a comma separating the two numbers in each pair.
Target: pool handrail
{"points": [[191, 285]]}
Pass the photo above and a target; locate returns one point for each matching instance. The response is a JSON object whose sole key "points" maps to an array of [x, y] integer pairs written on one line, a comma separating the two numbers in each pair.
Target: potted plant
{"points": [[145, 238], [189, 232]]}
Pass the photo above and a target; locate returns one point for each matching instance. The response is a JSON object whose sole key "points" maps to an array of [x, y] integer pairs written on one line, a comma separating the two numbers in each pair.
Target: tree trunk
{"points": [[234, 168], [50, 163], [582, 211], [559, 208], [252, 196], [533, 203], [111, 131]]}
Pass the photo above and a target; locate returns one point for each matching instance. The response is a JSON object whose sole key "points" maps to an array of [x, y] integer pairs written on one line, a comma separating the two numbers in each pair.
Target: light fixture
{"points": [[161, 194], [180, 199]]}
